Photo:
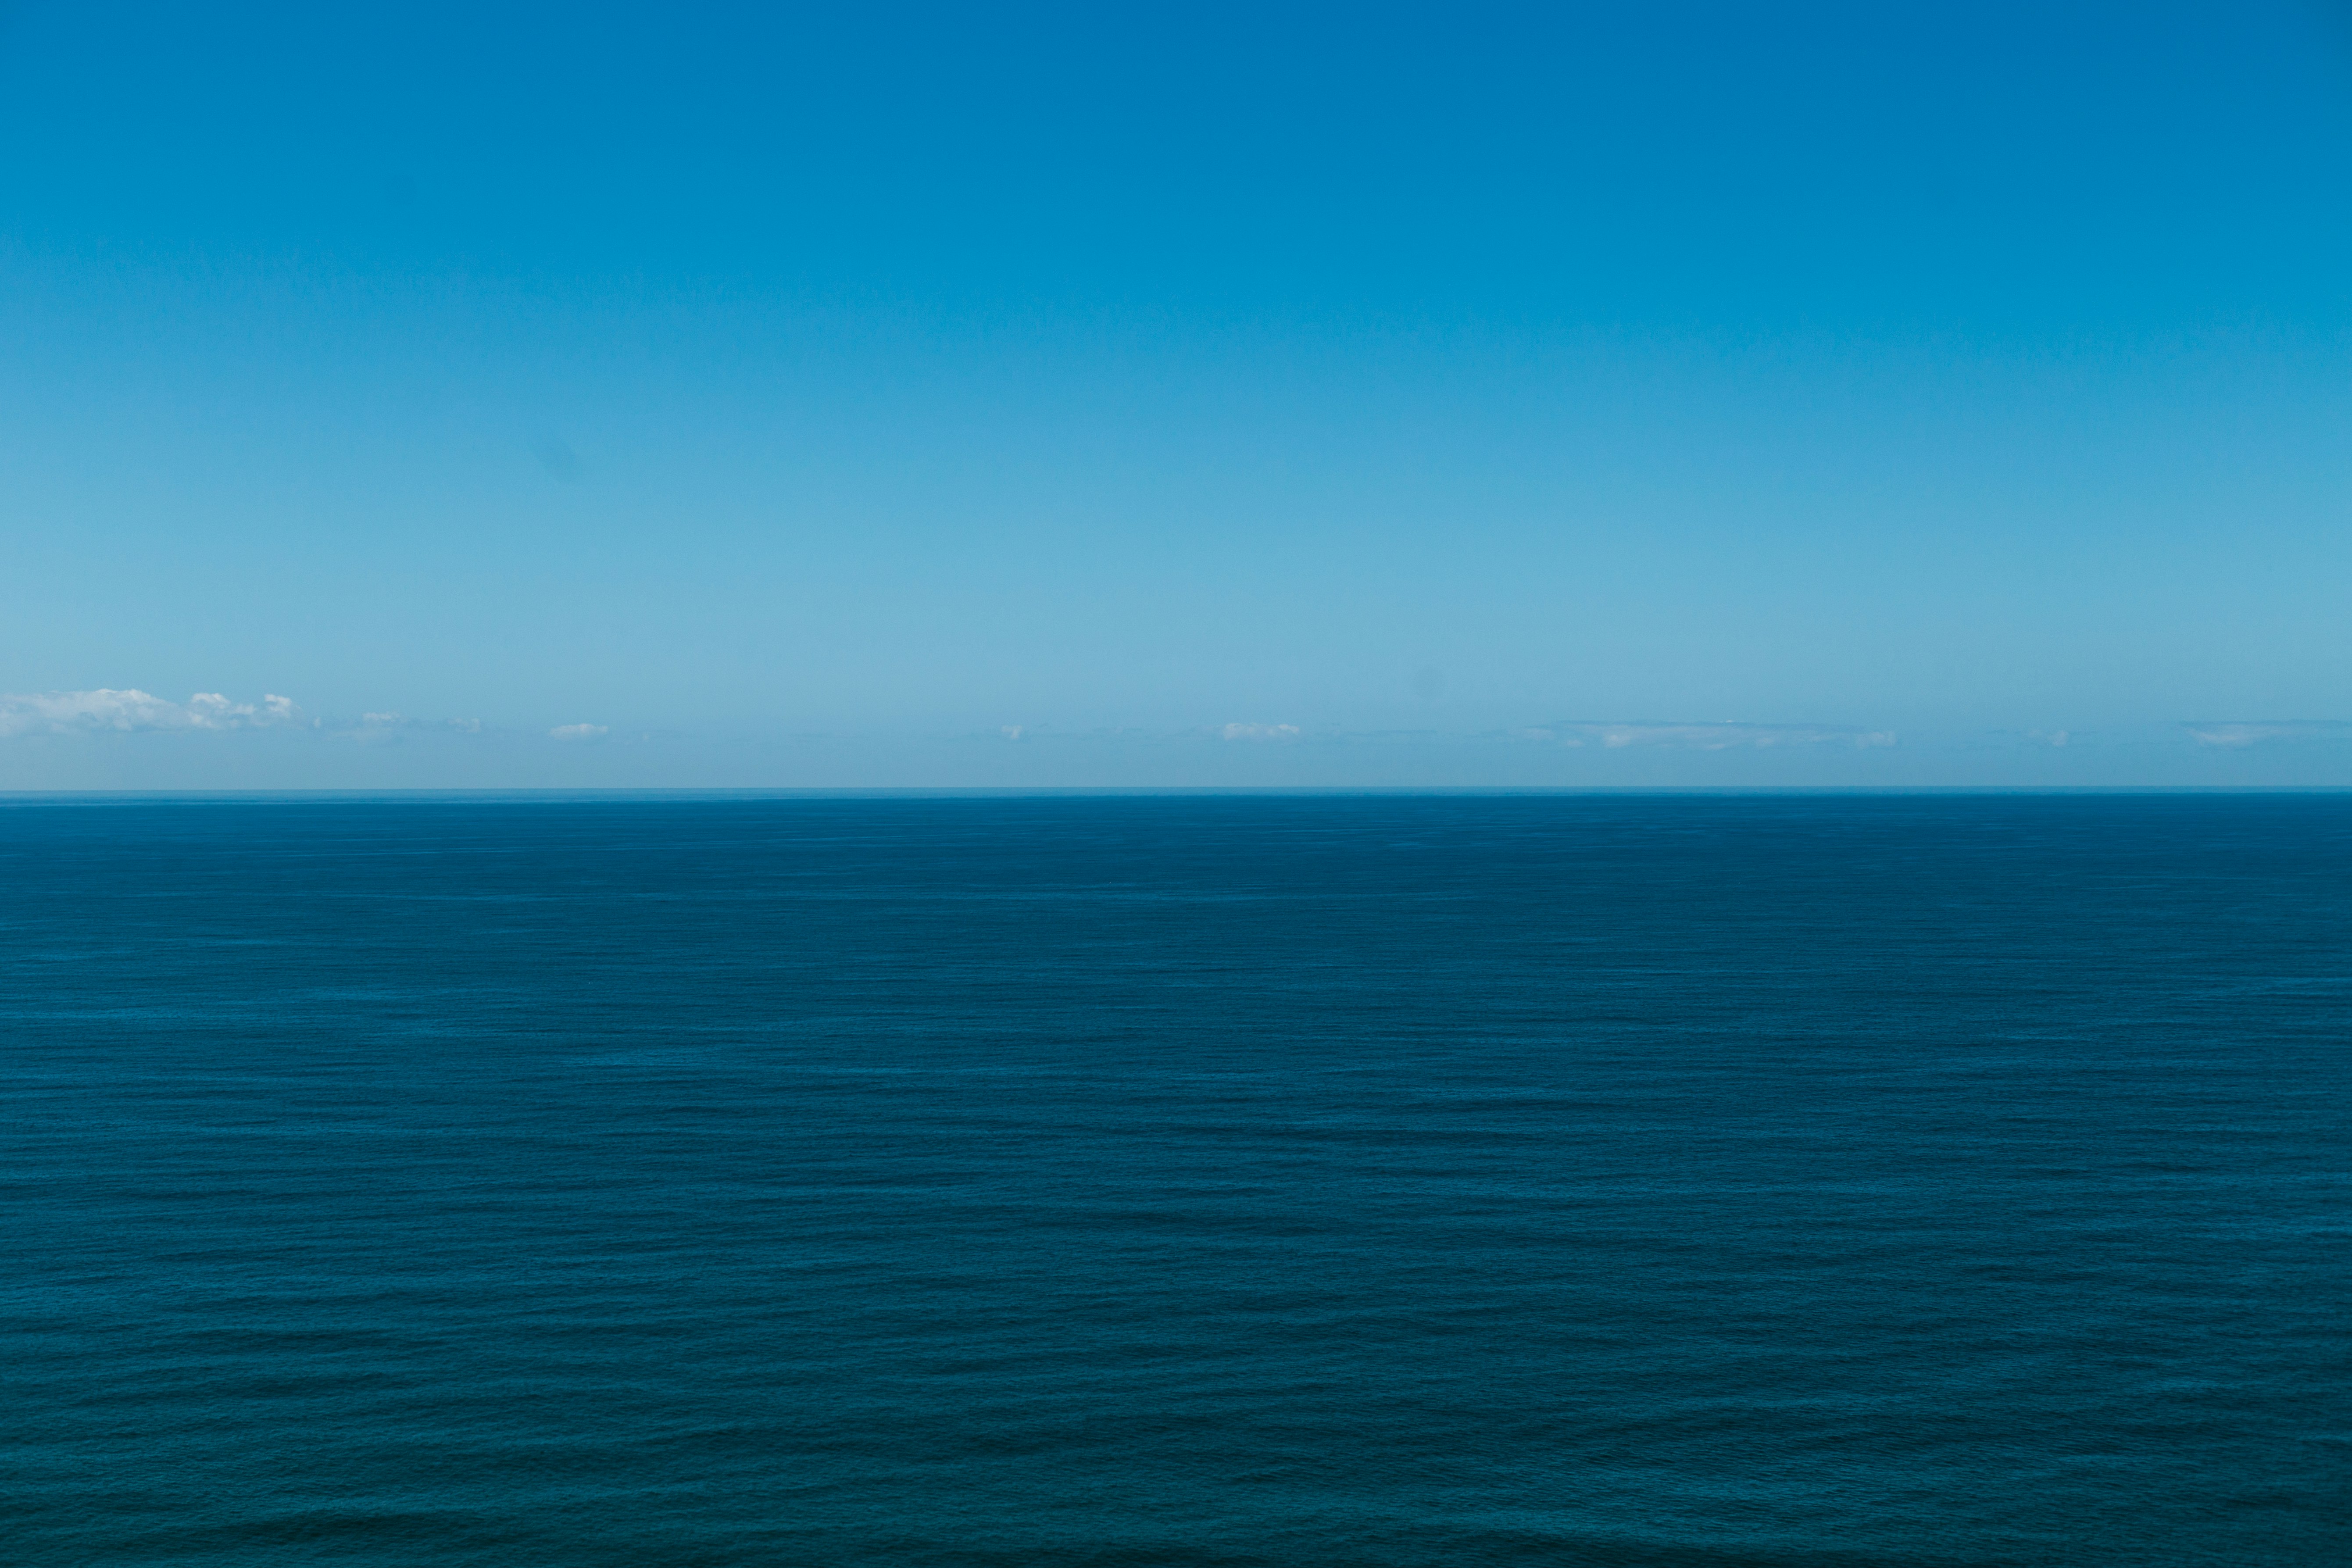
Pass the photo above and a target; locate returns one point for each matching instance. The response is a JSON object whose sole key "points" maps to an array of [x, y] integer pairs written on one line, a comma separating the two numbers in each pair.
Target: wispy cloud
{"points": [[69, 712], [1259, 731], [579, 732], [393, 729], [2234, 734], [377, 722], [1720, 737]]}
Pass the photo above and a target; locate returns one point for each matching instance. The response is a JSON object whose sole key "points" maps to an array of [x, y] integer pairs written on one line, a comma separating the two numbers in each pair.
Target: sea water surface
{"points": [[1578, 1179]]}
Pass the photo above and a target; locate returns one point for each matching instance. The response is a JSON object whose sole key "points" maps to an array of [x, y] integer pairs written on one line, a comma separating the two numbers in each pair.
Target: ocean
{"points": [[1579, 1179]]}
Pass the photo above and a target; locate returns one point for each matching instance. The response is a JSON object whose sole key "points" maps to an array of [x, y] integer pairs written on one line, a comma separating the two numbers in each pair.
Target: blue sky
{"points": [[1195, 395]]}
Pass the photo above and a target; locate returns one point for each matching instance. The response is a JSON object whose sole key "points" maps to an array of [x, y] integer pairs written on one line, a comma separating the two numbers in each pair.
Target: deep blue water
{"points": [[1606, 1180]]}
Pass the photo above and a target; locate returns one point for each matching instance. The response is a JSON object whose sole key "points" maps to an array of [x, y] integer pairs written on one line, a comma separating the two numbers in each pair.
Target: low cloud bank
{"points": [[1722, 737], [107, 711], [70, 712], [2234, 734]]}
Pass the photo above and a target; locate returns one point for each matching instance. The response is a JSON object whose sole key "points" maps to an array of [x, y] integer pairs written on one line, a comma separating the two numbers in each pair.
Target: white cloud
{"points": [[1721, 737], [2235, 733], [1259, 731], [578, 731], [1013, 731], [378, 723], [67, 713]]}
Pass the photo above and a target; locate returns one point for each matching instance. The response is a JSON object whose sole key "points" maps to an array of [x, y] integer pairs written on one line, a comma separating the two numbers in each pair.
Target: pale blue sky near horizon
{"points": [[1503, 395]]}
